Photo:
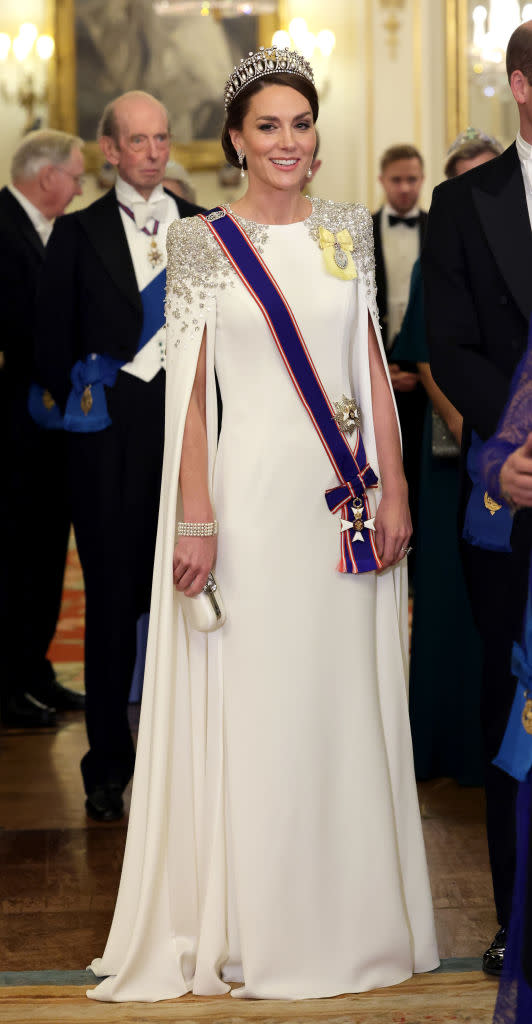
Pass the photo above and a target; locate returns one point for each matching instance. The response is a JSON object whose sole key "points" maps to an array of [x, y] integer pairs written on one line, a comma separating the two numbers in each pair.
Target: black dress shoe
{"points": [[493, 959], [24, 711], [104, 803], [51, 692]]}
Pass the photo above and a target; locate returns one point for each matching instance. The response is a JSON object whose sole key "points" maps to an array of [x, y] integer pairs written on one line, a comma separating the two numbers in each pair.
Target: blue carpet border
{"points": [[455, 965]]}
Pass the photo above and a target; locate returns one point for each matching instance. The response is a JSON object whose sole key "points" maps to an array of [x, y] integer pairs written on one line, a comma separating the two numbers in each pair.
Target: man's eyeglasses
{"points": [[78, 179]]}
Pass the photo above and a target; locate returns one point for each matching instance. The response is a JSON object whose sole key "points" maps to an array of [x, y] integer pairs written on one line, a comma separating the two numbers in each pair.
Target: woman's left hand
{"points": [[393, 528]]}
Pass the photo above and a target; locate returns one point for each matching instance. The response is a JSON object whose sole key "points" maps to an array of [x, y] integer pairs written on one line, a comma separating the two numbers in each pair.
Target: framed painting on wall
{"points": [[107, 47]]}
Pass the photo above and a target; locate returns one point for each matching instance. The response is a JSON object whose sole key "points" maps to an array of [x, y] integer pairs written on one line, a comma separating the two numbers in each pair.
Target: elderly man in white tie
{"points": [[100, 352]]}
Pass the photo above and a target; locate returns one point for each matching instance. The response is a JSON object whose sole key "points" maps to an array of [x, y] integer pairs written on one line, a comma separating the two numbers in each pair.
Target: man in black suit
{"points": [[476, 267], [101, 314], [399, 229], [46, 173]]}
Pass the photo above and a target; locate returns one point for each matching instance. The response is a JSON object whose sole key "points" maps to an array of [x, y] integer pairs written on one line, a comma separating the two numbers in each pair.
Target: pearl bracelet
{"points": [[197, 529]]}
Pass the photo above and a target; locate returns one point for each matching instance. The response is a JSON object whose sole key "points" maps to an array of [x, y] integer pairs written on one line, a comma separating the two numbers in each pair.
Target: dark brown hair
{"points": [[403, 151], [468, 151], [240, 106], [519, 52]]}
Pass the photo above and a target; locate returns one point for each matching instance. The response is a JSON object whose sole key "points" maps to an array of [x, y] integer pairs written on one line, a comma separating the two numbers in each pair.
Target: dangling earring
{"points": [[240, 154], [309, 172]]}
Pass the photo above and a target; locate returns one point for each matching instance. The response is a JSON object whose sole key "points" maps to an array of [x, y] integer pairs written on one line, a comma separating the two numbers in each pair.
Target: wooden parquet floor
{"points": [[59, 875], [430, 999]]}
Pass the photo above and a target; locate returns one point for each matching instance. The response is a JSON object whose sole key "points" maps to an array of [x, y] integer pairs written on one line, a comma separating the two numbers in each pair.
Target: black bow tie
{"points": [[411, 222]]}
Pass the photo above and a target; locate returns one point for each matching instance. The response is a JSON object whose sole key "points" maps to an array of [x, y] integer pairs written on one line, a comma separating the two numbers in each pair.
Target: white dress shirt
{"points": [[524, 151], [400, 249], [162, 208], [42, 225]]}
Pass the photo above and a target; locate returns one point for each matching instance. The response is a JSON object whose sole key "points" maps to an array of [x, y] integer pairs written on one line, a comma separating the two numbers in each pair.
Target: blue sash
{"points": [[86, 410], [358, 551], [487, 524], [515, 754], [43, 410]]}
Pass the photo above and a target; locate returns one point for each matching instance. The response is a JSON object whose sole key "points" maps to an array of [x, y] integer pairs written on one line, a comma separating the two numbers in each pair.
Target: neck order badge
{"points": [[357, 543]]}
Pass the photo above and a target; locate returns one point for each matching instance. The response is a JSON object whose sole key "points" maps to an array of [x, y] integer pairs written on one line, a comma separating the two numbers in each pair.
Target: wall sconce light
{"points": [[316, 47], [28, 54]]}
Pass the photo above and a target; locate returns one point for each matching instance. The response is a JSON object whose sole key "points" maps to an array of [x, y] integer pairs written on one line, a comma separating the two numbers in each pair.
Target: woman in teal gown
{"points": [[445, 663]]}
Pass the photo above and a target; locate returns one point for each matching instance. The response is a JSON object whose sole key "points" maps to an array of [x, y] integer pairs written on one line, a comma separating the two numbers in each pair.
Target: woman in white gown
{"points": [[274, 836]]}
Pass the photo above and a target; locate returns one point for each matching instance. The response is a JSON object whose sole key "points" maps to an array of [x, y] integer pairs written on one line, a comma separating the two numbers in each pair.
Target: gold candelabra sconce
{"points": [[24, 61], [392, 23]]}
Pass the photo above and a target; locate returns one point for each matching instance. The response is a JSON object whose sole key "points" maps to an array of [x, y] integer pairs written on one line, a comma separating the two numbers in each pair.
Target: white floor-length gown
{"points": [[274, 835]]}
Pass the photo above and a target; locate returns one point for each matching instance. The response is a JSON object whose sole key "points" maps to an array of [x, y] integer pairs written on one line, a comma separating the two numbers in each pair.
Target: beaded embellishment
{"points": [[197, 268]]}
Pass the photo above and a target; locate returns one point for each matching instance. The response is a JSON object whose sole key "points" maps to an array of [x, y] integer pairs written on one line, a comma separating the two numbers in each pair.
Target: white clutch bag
{"points": [[206, 611]]}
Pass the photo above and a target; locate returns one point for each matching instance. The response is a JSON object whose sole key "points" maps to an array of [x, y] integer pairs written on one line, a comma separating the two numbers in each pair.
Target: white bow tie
{"points": [[144, 212]]}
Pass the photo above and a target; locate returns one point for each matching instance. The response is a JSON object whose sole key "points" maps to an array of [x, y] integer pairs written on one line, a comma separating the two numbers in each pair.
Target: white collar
{"points": [[524, 149], [128, 195], [389, 210], [42, 224]]}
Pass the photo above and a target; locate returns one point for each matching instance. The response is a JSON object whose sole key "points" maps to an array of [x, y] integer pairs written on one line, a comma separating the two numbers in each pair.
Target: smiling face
{"points": [[141, 152], [278, 137]]}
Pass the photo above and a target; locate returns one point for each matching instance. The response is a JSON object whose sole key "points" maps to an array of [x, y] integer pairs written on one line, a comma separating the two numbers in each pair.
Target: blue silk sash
{"points": [[484, 527], [86, 410], [43, 410], [358, 551], [515, 754]]}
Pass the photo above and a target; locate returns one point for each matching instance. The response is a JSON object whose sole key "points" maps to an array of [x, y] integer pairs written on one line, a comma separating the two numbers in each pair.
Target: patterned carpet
{"points": [[67, 648]]}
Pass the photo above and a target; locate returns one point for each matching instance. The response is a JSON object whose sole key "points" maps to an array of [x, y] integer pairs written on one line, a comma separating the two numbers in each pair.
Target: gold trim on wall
{"points": [[417, 45], [200, 155], [456, 67], [370, 103]]}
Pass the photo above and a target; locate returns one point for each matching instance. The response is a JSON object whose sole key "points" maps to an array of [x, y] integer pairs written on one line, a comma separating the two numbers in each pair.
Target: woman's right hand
{"points": [[193, 560]]}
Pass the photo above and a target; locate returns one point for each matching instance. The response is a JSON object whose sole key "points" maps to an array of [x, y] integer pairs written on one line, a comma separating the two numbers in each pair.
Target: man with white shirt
{"points": [[398, 229], [46, 173], [101, 353], [477, 264]]}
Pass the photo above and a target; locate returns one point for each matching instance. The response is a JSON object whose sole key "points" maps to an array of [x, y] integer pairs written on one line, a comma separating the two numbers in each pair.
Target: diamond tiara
{"points": [[265, 62], [473, 135]]}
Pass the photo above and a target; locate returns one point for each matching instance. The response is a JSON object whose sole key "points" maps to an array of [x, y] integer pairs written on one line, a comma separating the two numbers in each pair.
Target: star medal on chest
{"points": [[155, 256], [347, 414], [359, 523]]}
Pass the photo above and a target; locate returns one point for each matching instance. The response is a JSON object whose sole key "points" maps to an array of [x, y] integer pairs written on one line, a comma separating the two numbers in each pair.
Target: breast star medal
{"points": [[86, 401], [155, 256], [359, 524], [526, 717], [491, 505], [347, 414]]}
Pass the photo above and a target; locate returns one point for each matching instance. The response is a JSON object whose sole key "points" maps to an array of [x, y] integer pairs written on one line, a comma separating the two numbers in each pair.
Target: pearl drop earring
{"points": [[309, 172], [240, 156]]}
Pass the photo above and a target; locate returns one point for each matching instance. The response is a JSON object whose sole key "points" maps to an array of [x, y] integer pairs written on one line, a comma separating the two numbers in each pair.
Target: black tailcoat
{"points": [[89, 301], [477, 264], [33, 470]]}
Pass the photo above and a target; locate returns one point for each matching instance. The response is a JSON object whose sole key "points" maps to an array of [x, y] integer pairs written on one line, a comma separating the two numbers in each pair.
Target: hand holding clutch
{"points": [[205, 612]]}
